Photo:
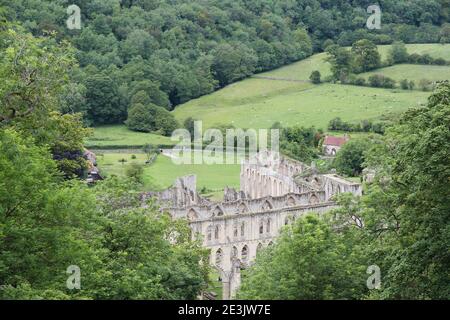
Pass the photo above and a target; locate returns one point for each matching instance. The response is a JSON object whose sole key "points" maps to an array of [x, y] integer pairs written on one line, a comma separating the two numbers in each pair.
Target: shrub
{"points": [[150, 118], [359, 82], [135, 171], [315, 77], [404, 84], [425, 85]]}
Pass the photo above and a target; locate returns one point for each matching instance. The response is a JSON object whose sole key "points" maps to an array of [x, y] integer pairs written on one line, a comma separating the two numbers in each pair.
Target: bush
{"points": [[359, 82], [150, 118], [425, 85], [315, 77], [135, 171], [404, 84], [380, 81]]}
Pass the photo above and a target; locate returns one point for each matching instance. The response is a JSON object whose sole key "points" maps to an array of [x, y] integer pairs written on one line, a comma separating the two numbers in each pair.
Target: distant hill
{"points": [[286, 95]]}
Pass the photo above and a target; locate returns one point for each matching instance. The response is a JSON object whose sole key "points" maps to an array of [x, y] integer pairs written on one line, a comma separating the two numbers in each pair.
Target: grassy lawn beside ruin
{"points": [[163, 172]]}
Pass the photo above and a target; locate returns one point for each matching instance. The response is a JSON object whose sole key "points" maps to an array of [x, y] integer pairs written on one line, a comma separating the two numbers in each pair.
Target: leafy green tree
{"points": [[398, 53], [341, 61], [135, 171], [350, 158], [406, 210], [315, 77], [310, 260], [233, 62], [103, 102], [151, 118], [366, 56]]}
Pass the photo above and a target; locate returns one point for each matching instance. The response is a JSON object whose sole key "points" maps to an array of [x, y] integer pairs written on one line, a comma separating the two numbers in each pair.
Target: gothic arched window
{"points": [[244, 253], [216, 232], [219, 256]]}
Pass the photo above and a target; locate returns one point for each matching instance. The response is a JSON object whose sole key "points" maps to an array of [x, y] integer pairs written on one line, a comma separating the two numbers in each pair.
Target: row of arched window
{"points": [[244, 254], [267, 224], [238, 230]]}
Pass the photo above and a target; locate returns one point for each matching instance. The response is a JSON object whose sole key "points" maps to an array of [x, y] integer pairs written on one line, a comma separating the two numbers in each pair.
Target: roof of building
{"points": [[335, 141]]}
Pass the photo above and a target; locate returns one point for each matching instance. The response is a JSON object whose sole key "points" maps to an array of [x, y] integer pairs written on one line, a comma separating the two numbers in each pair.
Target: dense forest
{"points": [[170, 51]]}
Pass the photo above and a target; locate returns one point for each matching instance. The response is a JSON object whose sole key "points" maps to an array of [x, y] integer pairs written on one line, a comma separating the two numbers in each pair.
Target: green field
{"points": [[119, 136], [412, 72], [433, 49], [163, 172], [311, 106], [301, 70]]}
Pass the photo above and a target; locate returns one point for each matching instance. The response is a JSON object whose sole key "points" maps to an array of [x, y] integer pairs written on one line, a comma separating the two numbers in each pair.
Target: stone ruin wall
{"points": [[273, 193]]}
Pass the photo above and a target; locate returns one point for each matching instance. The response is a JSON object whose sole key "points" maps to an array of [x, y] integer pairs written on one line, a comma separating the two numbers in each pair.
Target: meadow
{"points": [[162, 173], [118, 136], [308, 106], [412, 72]]}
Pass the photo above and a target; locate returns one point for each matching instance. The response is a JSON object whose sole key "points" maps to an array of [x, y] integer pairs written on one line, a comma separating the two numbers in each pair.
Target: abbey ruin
{"points": [[274, 191]]}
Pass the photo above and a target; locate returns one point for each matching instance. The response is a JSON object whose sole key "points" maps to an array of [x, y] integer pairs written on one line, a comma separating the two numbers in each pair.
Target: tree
{"points": [[150, 118], [233, 62], [103, 103], [366, 56], [398, 53], [135, 171], [404, 84], [37, 73], [350, 158], [310, 260], [341, 61], [141, 118], [315, 77], [407, 207]]}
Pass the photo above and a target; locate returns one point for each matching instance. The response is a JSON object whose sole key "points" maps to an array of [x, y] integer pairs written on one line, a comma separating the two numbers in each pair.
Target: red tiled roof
{"points": [[335, 141]]}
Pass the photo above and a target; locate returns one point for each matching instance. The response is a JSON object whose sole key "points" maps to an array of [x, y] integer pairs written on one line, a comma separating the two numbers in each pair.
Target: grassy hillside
{"points": [[301, 70], [433, 49], [307, 106], [285, 95], [412, 72]]}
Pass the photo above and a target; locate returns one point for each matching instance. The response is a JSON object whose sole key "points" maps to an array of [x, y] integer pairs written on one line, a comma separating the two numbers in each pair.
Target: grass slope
{"points": [[412, 72], [307, 106], [119, 136]]}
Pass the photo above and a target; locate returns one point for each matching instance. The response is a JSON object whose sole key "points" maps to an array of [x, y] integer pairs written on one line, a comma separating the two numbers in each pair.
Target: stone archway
{"points": [[192, 215], [267, 205], [313, 199], [217, 212], [218, 258], [290, 202]]}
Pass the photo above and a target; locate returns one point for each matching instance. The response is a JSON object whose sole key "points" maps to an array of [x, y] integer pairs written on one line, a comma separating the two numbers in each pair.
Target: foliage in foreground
{"points": [[124, 251], [309, 261]]}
